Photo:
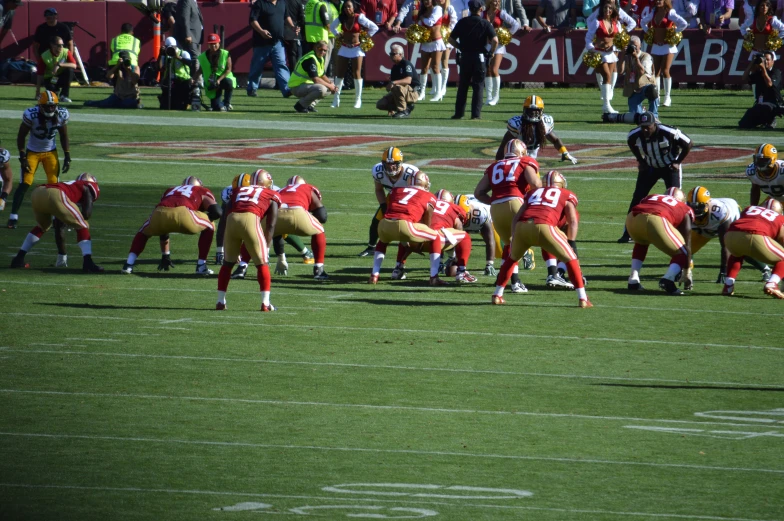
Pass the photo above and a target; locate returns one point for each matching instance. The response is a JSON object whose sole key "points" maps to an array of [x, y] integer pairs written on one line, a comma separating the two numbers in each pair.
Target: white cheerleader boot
{"points": [[667, 86], [358, 95], [437, 87], [336, 99], [488, 89], [444, 81], [496, 90], [606, 107], [614, 78], [423, 87], [600, 82]]}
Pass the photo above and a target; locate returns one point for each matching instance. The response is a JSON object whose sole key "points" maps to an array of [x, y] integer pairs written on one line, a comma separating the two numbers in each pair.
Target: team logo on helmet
{"points": [[772, 204], [93, 183], [554, 178], [462, 202], [515, 148], [420, 179], [392, 159], [262, 178], [698, 200], [295, 180], [48, 101], [191, 181], [676, 193], [533, 109], [241, 180], [445, 195], [765, 161]]}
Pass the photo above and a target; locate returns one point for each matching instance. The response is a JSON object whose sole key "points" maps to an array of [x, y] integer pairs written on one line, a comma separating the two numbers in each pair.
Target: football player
{"points": [[663, 220], [391, 172], [479, 221], [6, 177], [63, 204], [508, 180], [556, 271], [407, 218], [536, 224], [249, 204], [766, 174], [189, 209], [301, 213], [532, 128], [42, 122], [759, 234], [712, 218]]}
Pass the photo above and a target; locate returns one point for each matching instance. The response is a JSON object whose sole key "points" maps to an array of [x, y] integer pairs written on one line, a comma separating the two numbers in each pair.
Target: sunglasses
{"points": [[57, 45]]}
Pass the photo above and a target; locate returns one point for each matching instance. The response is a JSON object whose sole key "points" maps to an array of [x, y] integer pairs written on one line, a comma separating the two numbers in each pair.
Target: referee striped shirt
{"points": [[662, 149]]}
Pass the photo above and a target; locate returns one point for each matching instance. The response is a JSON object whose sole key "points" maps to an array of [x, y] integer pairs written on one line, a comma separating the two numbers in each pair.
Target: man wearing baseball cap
{"points": [[47, 31], [179, 63], [218, 79]]}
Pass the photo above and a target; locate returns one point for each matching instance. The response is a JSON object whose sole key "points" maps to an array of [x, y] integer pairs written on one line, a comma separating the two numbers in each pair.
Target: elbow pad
{"points": [[214, 212], [278, 245], [320, 214], [573, 245]]}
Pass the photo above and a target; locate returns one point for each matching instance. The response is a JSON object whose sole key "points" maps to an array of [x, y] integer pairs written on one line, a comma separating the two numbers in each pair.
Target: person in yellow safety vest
{"points": [[216, 68], [56, 68], [308, 81], [180, 63], [125, 41], [334, 11], [317, 22]]}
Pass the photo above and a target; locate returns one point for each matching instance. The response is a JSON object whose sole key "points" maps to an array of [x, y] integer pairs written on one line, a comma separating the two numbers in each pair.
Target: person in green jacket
{"points": [[216, 68], [308, 80]]}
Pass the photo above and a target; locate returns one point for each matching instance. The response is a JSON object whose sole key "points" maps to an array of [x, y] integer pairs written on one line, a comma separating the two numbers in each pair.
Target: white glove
{"points": [[566, 156], [282, 267]]}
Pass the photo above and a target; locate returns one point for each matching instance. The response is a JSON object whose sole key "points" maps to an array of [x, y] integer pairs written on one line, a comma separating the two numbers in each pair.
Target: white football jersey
{"points": [[381, 176], [480, 214], [773, 187], [5, 157], [43, 131], [720, 211], [515, 126]]}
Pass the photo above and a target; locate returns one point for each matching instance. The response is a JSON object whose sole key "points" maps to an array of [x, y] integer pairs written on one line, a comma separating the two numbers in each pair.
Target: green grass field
{"points": [[129, 397]]}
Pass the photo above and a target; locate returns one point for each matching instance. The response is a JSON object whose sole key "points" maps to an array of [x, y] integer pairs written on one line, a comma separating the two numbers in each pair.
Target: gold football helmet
{"points": [[533, 109], [676, 193], [445, 195], [515, 148], [295, 180], [391, 159], [262, 178], [765, 161], [241, 180], [462, 202], [48, 101], [554, 178], [420, 179], [699, 200], [772, 204], [192, 181]]}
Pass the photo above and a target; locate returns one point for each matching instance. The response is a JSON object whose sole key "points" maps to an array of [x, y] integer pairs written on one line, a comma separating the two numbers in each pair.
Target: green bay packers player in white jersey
{"points": [[6, 177], [712, 218], [533, 128], [42, 122], [479, 221], [390, 173], [766, 174]]}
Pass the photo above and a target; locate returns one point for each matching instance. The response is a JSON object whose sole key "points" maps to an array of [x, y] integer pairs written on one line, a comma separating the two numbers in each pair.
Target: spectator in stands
{"points": [[402, 86], [715, 14], [688, 9], [50, 29], [125, 41], [7, 10], [380, 12], [267, 19], [56, 67], [215, 66], [189, 29], [125, 75], [175, 67], [516, 9], [766, 80], [293, 29], [309, 81], [556, 14]]}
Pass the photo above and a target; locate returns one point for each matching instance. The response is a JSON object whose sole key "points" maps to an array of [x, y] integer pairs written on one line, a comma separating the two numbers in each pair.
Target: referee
{"points": [[659, 150], [471, 37]]}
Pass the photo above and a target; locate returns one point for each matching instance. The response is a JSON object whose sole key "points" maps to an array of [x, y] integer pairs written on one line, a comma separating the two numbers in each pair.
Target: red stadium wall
{"points": [[537, 56]]}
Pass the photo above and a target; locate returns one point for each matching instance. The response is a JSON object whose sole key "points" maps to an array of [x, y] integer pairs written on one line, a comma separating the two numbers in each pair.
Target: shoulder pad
{"points": [[63, 114], [751, 171], [549, 123], [514, 123], [226, 194], [29, 115]]}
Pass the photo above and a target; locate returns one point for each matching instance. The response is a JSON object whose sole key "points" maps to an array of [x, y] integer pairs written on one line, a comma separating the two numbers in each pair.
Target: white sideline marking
{"points": [[393, 367], [722, 435], [137, 334], [167, 328], [397, 489], [356, 406], [415, 331], [390, 451], [96, 339], [52, 345], [744, 415]]}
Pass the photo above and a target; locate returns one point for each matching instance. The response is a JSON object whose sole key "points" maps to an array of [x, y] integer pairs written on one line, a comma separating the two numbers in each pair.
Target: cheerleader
{"points": [[761, 24], [497, 17], [602, 30], [351, 24], [659, 19], [449, 19], [430, 17]]}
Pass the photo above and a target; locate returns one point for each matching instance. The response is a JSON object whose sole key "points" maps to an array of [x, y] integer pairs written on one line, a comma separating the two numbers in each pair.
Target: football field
{"points": [[128, 397]]}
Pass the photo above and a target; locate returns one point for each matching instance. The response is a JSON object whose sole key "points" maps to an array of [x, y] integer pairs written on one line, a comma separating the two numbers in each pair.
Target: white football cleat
{"points": [[464, 277], [518, 287], [62, 261], [202, 269], [398, 273], [556, 281]]}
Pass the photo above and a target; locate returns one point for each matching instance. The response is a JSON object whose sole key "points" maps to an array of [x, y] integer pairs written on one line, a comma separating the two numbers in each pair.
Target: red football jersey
{"points": [[664, 206], [298, 196], [189, 196], [547, 205], [74, 190], [409, 203], [759, 221], [444, 215], [253, 199], [507, 179]]}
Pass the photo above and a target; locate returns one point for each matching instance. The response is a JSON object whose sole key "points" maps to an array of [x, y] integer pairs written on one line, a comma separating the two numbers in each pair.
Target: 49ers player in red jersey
{"points": [[536, 224], [249, 204], [408, 217], [758, 234], [664, 221], [509, 180], [188, 209]]}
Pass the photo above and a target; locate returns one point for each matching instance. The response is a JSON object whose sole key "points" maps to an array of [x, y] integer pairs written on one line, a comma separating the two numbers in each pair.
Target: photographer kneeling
{"points": [[126, 86], [638, 85], [216, 68], [175, 67], [766, 82]]}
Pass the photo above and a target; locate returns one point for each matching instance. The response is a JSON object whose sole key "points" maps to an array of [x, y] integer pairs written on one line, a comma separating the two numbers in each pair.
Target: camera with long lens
{"points": [[171, 52], [631, 49], [125, 58]]}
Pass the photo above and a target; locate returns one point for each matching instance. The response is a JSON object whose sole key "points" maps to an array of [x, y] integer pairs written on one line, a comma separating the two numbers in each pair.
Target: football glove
{"points": [[490, 270], [67, 162], [688, 282], [282, 267], [23, 161], [219, 258], [721, 277], [566, 156], [166, 263]]}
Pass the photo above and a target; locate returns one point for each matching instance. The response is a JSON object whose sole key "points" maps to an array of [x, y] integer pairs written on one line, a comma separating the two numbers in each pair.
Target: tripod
{"points": [[82, 68]]}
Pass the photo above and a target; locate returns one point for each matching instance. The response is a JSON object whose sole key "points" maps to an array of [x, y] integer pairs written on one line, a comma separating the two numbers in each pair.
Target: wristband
{"points": [[562, 150]]}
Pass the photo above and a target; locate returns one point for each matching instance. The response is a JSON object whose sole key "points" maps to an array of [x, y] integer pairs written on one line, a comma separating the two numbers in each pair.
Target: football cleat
{"points": [[12, 224], [766, 274], [127, 269], [373, 279], [634, 285], [319, 273], [437, 281], [625, 238], [267, 307], [19, 262], [774, 291], [307, 258], [89, 266], [765, 161], [367, 252], [464, 277], [585, 303], [497, 300], [519, 287], [202, 269], [220, 306], [490, 270], [670, 287], [728, 290], [239, 272], [529, 261], [399, 273], [556, 281], [62, 261]]}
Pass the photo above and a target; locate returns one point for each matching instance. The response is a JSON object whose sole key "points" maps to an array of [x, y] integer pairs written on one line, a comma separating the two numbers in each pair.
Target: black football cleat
{"points": [[12, 224], [89, 266], [670, 287], [367, 252], [635, 286], [19, 262]]}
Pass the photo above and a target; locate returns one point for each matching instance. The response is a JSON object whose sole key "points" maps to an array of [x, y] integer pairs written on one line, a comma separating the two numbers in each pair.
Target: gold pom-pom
{"points": [[592, 59], [648, 38], [413, 34], [504, 36], [774, 41], [748, 41], [427, 34], [365, 41], [445, 32], [621, 39], [673, 37]]}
